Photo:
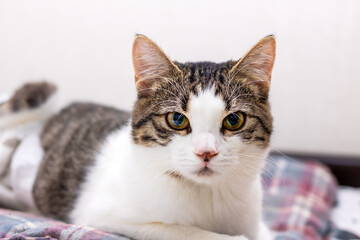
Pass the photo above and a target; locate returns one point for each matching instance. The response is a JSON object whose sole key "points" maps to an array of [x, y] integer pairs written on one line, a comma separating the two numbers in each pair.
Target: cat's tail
{"points": [[20, 114], [31, 102]]}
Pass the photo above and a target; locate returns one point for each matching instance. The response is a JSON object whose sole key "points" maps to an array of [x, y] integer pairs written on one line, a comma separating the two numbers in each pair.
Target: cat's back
{"points": [[71, 140], [84, 123]]}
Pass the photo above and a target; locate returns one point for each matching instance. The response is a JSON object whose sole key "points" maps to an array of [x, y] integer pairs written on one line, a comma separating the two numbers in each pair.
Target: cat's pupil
{"points": [[178, 119], [233, 119]]}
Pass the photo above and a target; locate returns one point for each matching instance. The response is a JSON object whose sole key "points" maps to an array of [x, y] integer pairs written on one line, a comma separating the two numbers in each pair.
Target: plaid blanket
{"points": [[297, 203], [298, 200]]}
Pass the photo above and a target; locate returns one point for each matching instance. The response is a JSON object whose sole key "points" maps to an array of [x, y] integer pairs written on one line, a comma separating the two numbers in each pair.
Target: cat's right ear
{"points": [[150, 64]]}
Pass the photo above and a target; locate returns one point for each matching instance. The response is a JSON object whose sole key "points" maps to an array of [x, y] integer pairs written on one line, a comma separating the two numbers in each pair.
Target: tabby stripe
{"points": [[185, 101], [159, 128], [262, 124], [192, 74], [144, 120], [259, 139]]}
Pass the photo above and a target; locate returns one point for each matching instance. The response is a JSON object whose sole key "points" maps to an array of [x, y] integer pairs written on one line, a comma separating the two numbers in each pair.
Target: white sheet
{"points": [[346, 215]]}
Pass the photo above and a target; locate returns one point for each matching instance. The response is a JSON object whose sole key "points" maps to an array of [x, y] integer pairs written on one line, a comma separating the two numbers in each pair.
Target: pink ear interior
{"points": [[267, 52], [142, 49], [150, 62], [257, 64]]}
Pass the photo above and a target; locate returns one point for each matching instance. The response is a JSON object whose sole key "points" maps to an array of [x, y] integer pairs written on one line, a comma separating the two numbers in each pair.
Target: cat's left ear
{"points": [[151, 65], [256, 65]]}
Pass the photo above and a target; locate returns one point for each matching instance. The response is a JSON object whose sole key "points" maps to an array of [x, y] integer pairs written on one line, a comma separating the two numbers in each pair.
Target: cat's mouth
{"points": [[205, 171]]}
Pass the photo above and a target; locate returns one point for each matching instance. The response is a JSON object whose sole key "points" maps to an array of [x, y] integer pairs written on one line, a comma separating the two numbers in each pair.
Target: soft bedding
{"points": [[297, 205], [299, 197]]}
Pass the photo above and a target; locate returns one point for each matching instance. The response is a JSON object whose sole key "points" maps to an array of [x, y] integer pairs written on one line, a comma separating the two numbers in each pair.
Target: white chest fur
{"points": [[125, 188]]}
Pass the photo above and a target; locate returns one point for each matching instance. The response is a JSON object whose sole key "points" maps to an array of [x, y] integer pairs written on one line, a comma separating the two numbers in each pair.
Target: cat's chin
{"points": [[205, 171], [205, 176], [205, 180]]}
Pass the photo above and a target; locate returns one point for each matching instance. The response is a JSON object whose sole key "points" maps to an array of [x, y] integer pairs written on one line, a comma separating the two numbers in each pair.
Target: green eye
{"points": [[234, 121], [177, 120]]}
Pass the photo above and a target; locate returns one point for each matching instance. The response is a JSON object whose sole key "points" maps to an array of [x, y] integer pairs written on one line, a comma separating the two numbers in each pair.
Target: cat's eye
{"points": [[177, 120], [234, 121]]}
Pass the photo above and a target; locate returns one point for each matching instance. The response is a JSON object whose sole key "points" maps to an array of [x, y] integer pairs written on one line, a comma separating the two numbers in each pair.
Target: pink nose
{"points": [[206, 156], [205, 146]]}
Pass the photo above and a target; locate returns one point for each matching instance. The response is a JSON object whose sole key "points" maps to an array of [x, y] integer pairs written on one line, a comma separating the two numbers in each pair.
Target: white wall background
{"points": [[85, 47]]}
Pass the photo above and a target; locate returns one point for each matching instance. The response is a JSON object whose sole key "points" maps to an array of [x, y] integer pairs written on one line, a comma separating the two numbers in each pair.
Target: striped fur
{"points": [[71, 140], [174, 93]]}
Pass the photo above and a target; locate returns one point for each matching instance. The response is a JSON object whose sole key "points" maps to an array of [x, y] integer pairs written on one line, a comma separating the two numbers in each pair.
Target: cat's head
{"points": [[209, 120]]}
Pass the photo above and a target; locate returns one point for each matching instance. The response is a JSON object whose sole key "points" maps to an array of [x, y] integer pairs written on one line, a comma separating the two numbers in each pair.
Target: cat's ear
{"points": [[256, 65], [150, 64]]}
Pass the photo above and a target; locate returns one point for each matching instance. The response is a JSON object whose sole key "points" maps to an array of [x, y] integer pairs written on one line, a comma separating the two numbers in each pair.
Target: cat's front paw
{"points": [[232, 238], [265, 233], [216, 236], [240, 238]]}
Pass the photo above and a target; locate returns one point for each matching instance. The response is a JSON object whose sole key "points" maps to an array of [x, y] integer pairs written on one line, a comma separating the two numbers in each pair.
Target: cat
{"points": [[185, 164]]}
